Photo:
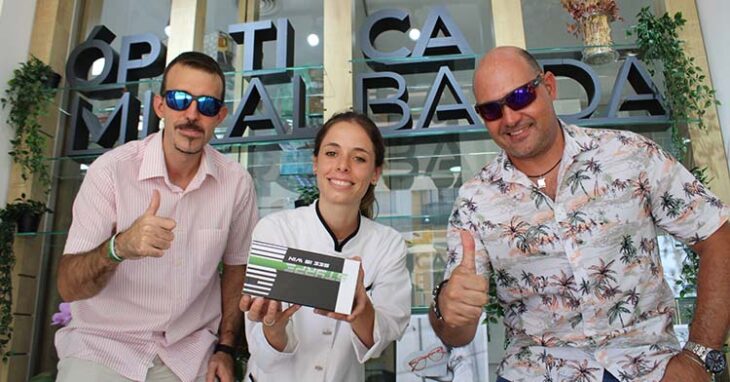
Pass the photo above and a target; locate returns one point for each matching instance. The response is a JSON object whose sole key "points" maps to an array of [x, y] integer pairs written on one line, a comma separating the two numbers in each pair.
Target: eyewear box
{"points": [[300, 277]]}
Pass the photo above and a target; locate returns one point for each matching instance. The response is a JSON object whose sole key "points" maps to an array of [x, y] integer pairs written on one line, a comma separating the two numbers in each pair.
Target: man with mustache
{"points": [[151, 223], [567, 219]]}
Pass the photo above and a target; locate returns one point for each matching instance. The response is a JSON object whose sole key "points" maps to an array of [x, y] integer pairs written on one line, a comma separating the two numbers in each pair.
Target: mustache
{"points": [[190, 126]]}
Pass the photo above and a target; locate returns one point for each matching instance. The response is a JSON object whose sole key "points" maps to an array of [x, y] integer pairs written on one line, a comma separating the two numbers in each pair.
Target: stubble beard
{"points": [[188, 152], [540, 146], [194, 126]]}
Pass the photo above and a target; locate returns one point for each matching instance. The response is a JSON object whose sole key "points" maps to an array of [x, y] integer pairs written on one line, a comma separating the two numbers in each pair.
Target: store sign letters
{"points": [[441, 49]]}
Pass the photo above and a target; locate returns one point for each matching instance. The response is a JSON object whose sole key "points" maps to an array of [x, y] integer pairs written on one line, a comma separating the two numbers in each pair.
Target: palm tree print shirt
{"points": [[580, 278]]}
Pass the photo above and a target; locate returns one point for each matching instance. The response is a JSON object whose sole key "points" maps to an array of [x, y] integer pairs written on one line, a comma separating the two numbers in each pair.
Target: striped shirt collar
{"points": [[153, 161]]}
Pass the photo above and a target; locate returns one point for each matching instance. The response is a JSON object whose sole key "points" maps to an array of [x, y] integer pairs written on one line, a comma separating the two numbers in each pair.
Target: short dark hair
{"points": [[373, 132], [198, 61]]}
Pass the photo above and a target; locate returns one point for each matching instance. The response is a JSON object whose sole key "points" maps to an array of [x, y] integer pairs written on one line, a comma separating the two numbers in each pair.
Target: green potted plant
{"points": [[26, 213], [307, 195], [29, 94], [687, 94]]}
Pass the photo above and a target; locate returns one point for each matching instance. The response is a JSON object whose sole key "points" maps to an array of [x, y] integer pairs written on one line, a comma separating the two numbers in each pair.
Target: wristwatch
{"points": [[714, 360], [435, 304]]}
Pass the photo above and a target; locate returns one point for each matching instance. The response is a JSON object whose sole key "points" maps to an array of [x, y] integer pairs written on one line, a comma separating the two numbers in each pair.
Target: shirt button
{"points": [[318, 368], [327, 332]]}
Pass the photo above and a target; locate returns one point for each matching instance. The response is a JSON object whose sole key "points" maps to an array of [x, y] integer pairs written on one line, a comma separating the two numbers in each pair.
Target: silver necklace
{"points": [[541, 178]]}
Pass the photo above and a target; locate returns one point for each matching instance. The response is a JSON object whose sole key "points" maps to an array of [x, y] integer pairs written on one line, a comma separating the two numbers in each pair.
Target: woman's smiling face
{"points": [[345, 165]]}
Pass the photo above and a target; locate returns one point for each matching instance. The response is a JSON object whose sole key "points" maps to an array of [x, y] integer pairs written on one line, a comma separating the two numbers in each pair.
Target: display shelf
{"points": [[385, 219], [566, 51], [155, 82], [41, 233], [433, 134]]}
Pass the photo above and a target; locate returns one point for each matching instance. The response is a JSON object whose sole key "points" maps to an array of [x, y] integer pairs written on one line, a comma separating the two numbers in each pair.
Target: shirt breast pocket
{"points": [[207, 247]]}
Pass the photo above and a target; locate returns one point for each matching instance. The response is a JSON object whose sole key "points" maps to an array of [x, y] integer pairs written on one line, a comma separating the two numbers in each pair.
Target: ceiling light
{"points": [[313, 39], [268, 7], [97, 67], [414, 34]]}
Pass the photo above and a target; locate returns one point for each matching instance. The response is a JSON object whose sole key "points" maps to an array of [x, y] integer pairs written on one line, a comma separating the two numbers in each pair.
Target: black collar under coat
{"points": [[338, 245]]}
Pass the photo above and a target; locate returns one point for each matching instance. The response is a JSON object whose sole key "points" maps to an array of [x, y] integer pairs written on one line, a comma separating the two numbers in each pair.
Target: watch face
{"points": [[715, 362]]}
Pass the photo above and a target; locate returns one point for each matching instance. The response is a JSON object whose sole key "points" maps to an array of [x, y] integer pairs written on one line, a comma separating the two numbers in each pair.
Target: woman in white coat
{"points": [[293, 343]]}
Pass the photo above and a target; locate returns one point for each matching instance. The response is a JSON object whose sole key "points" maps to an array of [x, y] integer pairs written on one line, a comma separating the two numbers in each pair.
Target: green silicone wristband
{"points": [[110, 250]]}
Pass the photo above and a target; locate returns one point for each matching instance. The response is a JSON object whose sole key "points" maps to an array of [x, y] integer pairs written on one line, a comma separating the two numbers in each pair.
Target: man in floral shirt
{"points": [[568, 218]]}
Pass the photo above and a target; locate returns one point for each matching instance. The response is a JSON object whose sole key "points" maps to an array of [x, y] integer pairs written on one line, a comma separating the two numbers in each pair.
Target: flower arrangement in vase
{"points": [[592, 21]]}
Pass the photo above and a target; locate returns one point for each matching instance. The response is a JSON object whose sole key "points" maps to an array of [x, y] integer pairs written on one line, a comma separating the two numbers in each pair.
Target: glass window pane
{"points": [[305, 18], [546, 23], [471, 18]]}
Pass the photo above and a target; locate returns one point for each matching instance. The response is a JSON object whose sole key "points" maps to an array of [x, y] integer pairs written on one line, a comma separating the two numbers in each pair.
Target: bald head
{"points": [[525, 125], [504, 61], [509, 53]]}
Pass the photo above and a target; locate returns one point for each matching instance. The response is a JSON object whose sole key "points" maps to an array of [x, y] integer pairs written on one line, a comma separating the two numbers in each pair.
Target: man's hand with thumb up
{"points": [[149, 236], [462, 300]]}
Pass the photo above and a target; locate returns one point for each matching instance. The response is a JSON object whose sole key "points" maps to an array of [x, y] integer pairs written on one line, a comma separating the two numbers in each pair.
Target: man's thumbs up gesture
{"points": [[464, 296], [149, 235]]}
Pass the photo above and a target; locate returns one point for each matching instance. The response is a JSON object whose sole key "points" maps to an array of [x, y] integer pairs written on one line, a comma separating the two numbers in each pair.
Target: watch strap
{"points": [[713, 364], [699, 350]]}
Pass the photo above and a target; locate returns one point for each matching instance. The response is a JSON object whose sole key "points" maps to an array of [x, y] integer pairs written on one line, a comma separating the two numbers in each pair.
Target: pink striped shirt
{"points": [[168, 306]]}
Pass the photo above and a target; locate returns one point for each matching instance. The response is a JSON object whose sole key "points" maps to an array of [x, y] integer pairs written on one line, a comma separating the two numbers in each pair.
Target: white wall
{"points": [[715, 30], [16, 23]]}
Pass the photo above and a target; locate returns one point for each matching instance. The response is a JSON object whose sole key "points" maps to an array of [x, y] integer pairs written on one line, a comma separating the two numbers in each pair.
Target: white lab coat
{"points": [[320, 348]]}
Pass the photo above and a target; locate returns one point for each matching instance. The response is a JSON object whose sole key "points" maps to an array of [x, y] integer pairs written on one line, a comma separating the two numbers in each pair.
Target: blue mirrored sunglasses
{"points": [[517, 99], [180, 100]]}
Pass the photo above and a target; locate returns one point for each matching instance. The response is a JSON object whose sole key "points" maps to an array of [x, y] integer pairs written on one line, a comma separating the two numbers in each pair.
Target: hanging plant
{"points": [[7, 262], [687, 281], [687, 94], [30, 92], [493, 310]]}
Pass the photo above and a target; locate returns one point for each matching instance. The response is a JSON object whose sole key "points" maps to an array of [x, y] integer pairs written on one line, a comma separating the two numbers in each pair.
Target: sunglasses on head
{"points": [[517, 99], [180, 100]]}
